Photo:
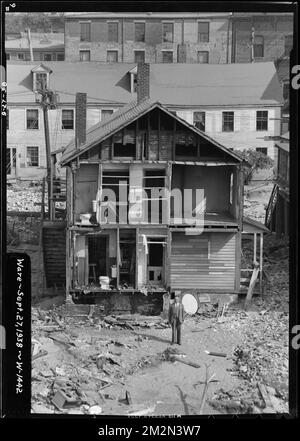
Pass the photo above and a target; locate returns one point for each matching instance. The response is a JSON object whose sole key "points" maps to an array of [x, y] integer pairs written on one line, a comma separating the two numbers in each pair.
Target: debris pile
{"points": [[24, 196]]}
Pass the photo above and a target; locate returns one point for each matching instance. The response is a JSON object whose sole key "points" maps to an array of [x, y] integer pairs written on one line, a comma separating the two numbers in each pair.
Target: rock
{"points": [[95, 410]]}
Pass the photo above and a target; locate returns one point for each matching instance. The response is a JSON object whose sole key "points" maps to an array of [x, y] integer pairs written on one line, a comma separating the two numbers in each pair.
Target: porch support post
{"points": [[261, 242], [118, 258], [254, 247], [137, 256]]}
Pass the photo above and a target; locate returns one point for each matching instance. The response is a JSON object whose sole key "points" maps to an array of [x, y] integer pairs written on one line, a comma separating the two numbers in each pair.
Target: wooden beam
{"points": [[261, 256], [238, 244], [254, 246], [111, 146], [136, 139], [118, 257], [148, 136], [158, 122], [173, 140], [137, 231]]}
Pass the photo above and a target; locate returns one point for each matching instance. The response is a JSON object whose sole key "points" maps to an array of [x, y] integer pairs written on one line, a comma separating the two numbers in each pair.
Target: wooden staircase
{"points": [[54, 253], [271, 206]]}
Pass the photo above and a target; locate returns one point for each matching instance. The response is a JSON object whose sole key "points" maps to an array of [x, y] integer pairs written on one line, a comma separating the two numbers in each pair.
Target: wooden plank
{"points": [[251, 287]]}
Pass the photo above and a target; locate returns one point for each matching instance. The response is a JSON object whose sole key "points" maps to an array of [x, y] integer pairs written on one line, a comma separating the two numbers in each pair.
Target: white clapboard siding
{"points": [[206, 261]]}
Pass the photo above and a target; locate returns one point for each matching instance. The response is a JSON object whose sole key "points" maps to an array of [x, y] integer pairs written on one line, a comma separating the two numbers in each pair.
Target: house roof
{"points": [[124, 116], [54, 41], [253, 226], [182, 85], [284, 142]]}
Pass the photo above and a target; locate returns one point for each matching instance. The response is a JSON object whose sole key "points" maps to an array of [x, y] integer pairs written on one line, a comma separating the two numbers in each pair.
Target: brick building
{"points": [[239, 105], [150, 37]]}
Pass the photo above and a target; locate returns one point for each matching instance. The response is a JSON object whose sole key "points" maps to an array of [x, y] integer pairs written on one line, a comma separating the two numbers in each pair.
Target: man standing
{"points": [[176, 318]]}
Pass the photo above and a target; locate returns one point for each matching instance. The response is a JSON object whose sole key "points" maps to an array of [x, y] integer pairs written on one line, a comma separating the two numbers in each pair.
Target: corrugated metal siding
{"points": [[206, 261]]}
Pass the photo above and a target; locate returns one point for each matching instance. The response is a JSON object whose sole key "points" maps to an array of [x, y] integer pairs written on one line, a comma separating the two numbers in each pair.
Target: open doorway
{"points": [[155, 264], [98, 257], [127, 258]]}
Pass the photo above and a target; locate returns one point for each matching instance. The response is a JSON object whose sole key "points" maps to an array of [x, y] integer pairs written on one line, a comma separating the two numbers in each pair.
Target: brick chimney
{"points": [[80, 126], [143, 82]]}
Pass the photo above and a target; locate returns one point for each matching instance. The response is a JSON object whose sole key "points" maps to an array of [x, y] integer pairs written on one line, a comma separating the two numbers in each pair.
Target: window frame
{"points": [[164, 52], [261, 120], [203, 52], [81, 51], [112, 111], [226, 122], [142, 52], [109, 23], [60, 55], [138, 23], [26, 119], [115, 51], [200, 40], [166, 23], [81, 34], [195, 121], [23, 56], [38, 155], [258, 45], [263, 150], [66, 109], [51, 56]]}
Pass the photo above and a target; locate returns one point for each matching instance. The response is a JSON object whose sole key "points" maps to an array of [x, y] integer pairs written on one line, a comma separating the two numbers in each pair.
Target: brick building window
{"points": [[85, 55], [167, 32], [262, 120], [139, 56], [112, 28], [167, 57], [263, 150], [7, 57], [228, 121], [67, 119], [85, 31], [47, 57], [258, 46], [199, 120], [112, 56], [105, 113], [139, 32], [202, 57], [60, 57], [203, 32], [21, 56], [32, 156], [32, 119]]}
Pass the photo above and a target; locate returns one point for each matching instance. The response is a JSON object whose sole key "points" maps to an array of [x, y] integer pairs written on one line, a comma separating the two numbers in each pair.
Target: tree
{"points": [[256, 160]]}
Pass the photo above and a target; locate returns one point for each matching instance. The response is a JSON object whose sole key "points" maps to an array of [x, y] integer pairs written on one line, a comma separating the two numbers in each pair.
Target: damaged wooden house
{"points": [[154, 205]]}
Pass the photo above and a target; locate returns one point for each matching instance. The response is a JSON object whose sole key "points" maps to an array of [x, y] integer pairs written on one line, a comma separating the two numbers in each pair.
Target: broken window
{"points": [[203, 32], [32, 119], [67, 119], [185, 144], [127, 258], [98, 257], [140, 32], [32, 156], [228, 121], [167, 32], [124, 143], [263, 150], [167, 57], [112, 28], [155, 267], [199, 120], [85, 31], [114, 183], [262, 120], [154, 185]]}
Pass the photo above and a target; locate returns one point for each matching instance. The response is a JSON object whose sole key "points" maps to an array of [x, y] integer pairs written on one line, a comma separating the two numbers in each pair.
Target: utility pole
{"points": [[29, 43], [48, 102]]}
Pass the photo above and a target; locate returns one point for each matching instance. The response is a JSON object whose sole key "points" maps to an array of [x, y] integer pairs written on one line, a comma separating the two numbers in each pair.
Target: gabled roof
{"points": [[178, 84], [253, 226], [41, 68], [123, 117]]}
